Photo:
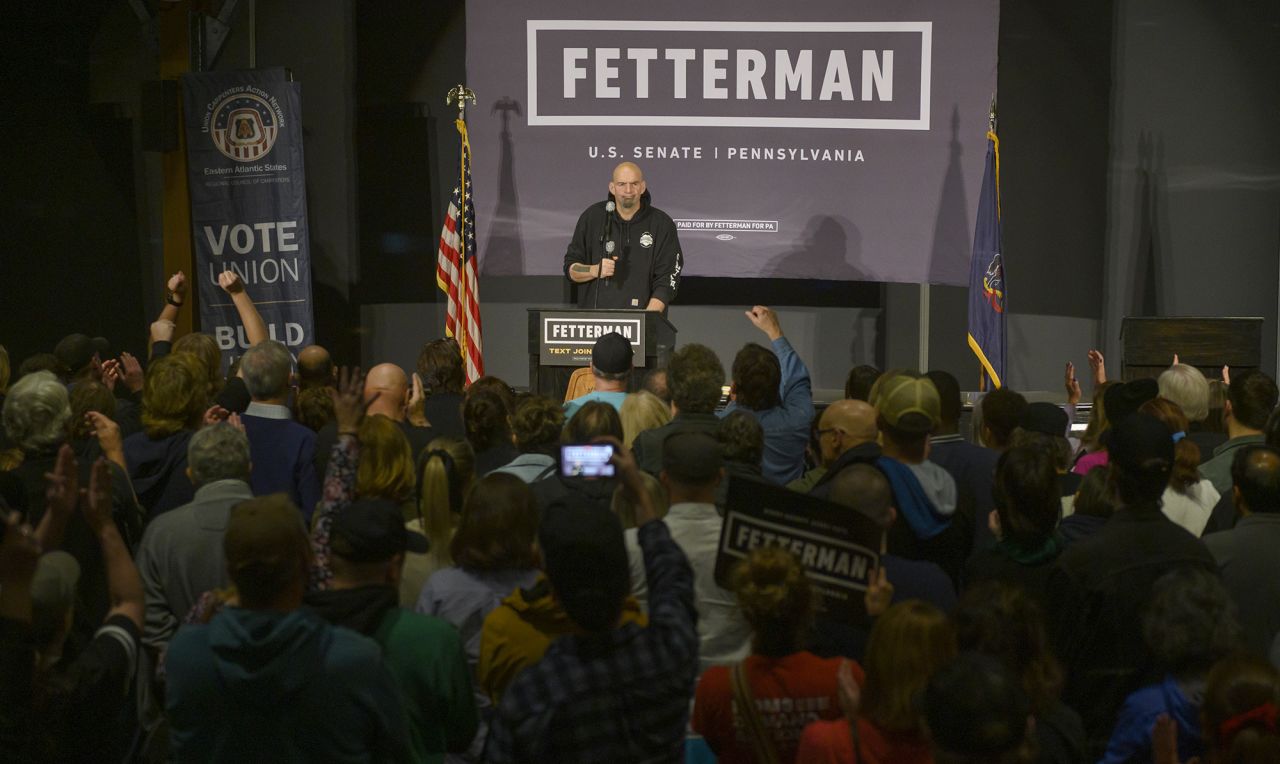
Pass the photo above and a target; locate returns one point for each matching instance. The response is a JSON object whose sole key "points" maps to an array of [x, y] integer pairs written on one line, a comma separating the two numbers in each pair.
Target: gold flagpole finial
{"points": [[461, 94]]}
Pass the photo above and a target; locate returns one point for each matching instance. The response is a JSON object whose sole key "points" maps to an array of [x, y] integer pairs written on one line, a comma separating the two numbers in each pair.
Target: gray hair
{"points": [[1187, 387], [265, 368], [36, 411], [218, 452]]}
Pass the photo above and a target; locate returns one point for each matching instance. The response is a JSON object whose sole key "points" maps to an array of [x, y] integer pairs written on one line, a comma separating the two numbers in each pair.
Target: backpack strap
{"points": [[761, 746]]}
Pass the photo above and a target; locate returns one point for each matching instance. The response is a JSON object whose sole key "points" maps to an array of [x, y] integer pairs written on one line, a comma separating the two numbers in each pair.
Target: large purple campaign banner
{"points": [[827, 139]]}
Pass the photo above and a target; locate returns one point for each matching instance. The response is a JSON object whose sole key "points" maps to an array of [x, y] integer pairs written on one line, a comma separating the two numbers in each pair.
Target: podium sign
{"points": [[568, 338]]}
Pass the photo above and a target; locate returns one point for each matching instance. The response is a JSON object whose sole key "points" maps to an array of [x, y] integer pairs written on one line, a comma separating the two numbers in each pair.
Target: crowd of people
{"points": [[289, 560]]}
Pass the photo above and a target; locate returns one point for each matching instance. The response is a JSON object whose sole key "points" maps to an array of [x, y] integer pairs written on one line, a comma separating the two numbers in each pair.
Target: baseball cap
{"points": [[75, 351], [53, 588], [264, 537], [373, 530], [691, 457], [1045, 418], [612, 354], [902, 396], [585, 559]]}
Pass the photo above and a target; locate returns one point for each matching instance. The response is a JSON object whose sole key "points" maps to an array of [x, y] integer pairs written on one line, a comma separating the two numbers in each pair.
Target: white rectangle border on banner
{"points": [[924, 28]]}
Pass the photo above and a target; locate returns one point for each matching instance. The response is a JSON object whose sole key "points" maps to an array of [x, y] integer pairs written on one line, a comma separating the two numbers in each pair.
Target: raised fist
{"points": [[230, 281]]}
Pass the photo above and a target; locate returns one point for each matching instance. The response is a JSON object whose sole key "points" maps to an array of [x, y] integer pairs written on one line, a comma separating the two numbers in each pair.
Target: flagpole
{"points": [[460, 94], [991, 128]]}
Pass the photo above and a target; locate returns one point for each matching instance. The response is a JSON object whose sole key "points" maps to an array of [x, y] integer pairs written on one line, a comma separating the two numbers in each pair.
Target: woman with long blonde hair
{"points": [[446, 474], [642, 411]]}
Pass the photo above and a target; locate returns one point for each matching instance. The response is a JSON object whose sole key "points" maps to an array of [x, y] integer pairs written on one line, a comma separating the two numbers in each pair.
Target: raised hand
{"points": [[413, 410], [131, 371], [231, 282], [848, 691], [993, 524], [96, 507], [213, 415], [1099, 366], [766, 320], [111, 373], [1226, 374], [177, 283], [1072, 385], [109, 439], [61, 494], [879, 595], [349, 403]]}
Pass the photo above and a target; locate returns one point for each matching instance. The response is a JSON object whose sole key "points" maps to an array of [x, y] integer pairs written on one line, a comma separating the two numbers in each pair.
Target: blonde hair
{"points": [[448, 470], [776, 598], [386, 460], [1098, 423], [908, 643], [204, 347], [173, 395], [642, 411]]}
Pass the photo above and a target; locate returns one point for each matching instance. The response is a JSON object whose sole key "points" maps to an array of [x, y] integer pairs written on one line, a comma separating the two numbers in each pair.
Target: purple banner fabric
{"points": [[824, 139]]}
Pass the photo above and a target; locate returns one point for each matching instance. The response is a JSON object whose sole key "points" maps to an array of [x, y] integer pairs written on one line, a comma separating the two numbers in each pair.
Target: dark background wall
{"points": [[1140, 160]]}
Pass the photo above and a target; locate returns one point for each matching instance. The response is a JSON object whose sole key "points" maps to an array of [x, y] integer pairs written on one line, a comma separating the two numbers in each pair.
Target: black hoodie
{"points": [[647, 250]]}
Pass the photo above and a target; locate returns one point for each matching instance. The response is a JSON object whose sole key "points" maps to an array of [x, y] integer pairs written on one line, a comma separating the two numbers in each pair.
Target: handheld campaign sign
{"points": [[838, 547]]}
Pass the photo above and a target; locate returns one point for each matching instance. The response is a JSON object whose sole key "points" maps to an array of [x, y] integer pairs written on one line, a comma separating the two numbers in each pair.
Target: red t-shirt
{"points": [[789, 693], [831, 743]]}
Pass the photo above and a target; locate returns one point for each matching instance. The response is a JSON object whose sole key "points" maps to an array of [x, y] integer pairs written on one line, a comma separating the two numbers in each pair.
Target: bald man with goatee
{"points": [[846, 436], [844, 425], [390, 389], [625, 252]]}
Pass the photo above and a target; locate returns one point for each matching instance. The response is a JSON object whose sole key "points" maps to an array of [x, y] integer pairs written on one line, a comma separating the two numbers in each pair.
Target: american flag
{"points": [[456, 269]]}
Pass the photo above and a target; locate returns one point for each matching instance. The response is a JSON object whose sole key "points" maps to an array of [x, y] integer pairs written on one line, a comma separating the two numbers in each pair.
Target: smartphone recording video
{"points": [[586, 461]]}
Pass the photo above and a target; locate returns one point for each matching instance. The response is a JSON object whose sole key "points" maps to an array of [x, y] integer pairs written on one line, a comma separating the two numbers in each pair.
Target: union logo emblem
{"points": [[244, 127]]}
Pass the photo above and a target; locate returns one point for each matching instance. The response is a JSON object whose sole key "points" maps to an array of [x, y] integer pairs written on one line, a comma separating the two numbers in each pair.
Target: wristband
{"points": [[169, 299]]}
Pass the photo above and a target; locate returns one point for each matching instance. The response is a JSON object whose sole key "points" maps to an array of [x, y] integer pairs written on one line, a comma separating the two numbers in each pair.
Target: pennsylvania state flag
{"points": [[986, 274]]}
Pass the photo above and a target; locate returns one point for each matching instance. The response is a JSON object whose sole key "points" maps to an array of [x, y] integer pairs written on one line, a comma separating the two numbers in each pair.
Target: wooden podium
{"points": [[1206, 343], [561, 340]]}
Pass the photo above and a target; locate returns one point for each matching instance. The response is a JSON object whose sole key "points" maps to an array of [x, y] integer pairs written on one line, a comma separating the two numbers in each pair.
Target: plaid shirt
{"points": [[625, 702]]}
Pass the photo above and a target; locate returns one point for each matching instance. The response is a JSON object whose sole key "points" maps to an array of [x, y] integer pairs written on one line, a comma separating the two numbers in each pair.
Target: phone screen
{"points": [[586, 461]]}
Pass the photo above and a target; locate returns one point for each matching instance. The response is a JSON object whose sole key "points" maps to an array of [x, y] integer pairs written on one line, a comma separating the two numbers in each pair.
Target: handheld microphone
{"points": [[607, 236]]}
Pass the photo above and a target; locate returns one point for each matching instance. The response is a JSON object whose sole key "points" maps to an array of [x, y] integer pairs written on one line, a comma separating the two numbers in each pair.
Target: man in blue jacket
{"points": [[773, 384]]}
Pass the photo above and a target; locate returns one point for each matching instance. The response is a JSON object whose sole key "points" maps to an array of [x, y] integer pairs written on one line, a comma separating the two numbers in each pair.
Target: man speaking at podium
{"points": [[624, 250]]}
